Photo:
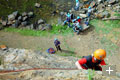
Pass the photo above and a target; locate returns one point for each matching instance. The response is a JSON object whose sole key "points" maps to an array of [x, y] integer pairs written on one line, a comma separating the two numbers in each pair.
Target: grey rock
{"points": [[25, 18], [118, 74], [82, 11], [24, 14], [48, 27], [20, 18], [37, 5], [40, 27], [106, 14], [31, 26], [9, 23], [24, 23], [100, 7], [11, 17], [4, 23], [112, 1], [30, 14], [15, 13], [41, 21], [16, 24]]}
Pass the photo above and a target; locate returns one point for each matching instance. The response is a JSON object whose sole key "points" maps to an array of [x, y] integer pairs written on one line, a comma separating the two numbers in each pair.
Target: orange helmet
{"points": [[100, 54]]}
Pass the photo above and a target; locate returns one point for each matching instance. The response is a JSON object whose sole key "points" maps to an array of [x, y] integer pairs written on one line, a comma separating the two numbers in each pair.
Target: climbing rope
{"points": [[12, 71]]}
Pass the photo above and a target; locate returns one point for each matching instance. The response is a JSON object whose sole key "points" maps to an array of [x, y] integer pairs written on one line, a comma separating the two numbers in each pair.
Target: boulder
{"points": [[82, 11], [41, 21], [37, 5], [11, 17], [112, 1], [41, 27], [48, 27], [9, 23], [24, 14], [106, 14], [15, 13], [16, 24], [31, 26], [83, 15], [24, 23], [30, 14], [24, 18], [20, 18], [4, 23], [100, 7]]}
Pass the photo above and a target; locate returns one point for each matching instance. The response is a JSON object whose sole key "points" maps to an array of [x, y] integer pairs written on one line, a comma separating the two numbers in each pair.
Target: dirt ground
{"points": [[82, 45]]}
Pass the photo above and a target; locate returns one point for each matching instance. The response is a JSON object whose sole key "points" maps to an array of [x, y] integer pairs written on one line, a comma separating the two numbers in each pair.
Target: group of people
{"points": [[88, 62], [76, 23]]}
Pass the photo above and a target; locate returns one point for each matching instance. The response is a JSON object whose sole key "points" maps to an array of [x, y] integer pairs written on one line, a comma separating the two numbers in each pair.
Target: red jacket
{"points": [[84, 61]]}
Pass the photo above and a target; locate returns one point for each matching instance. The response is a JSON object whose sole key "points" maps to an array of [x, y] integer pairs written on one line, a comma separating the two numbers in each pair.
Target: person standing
{"points": [[57, 44]]}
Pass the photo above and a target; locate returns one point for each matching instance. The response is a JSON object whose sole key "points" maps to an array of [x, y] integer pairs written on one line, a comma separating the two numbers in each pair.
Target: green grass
{"points": [[91, 73], [117, 14], [57, 30], [107, 28]]}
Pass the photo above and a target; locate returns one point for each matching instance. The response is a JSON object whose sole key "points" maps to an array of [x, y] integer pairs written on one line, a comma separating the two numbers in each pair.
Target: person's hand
{"points": [[78, 65]]}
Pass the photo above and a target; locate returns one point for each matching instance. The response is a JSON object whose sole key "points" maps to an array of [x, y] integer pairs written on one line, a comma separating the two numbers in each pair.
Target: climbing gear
{"points": [[100, 54], [68, 15], [51, 50], [12, 71]]}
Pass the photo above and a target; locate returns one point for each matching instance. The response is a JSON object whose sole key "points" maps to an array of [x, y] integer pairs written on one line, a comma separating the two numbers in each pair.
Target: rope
{"points": [[12, 71]]}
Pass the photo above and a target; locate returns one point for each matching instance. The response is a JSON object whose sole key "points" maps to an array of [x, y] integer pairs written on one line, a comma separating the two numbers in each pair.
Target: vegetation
{"points": [[91, 73], [57, 29], [7, 7], [110, 33]]}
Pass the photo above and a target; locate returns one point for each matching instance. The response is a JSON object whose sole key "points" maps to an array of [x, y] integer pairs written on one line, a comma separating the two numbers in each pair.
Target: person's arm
{"points": [[103, 62], [80, 63]]}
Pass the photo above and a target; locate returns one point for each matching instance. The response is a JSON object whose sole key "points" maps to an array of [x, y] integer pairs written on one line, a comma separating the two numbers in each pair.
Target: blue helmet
{"points": [[78, 17], [89, 7], [76, 0], [68, 15], [55, 39]]}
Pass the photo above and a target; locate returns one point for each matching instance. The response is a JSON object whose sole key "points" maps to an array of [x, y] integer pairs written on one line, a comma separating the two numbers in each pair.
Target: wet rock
{"points": [[37, 5], [24, 23], [30, 14], [41, 21], [24, 14]]}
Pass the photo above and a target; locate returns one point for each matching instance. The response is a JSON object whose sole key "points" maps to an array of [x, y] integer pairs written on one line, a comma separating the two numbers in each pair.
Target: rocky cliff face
{"points": [[21, 59]]}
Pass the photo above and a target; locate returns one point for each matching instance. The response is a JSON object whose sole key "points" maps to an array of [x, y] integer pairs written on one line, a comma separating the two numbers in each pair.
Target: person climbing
{"points": [[57, 44], [77, 5], [89, 11], [68, 20], [92, 61]]}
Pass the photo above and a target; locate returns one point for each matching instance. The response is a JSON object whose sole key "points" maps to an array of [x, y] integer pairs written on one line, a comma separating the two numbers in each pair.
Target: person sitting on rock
{"points": [[77, 5], [89, 11], [76, 27], [68, 20], [92, 61]]}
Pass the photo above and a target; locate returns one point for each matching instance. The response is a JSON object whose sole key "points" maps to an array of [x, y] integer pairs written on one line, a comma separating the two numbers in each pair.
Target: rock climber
{"points": [[68, 19], [77, 5], [92, 61], [57, 44]]}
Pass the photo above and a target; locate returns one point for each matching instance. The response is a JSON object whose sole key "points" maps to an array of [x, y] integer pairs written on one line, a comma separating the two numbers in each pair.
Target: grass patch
{"points": [[57, 30], [107, 28], [117, 14]]}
